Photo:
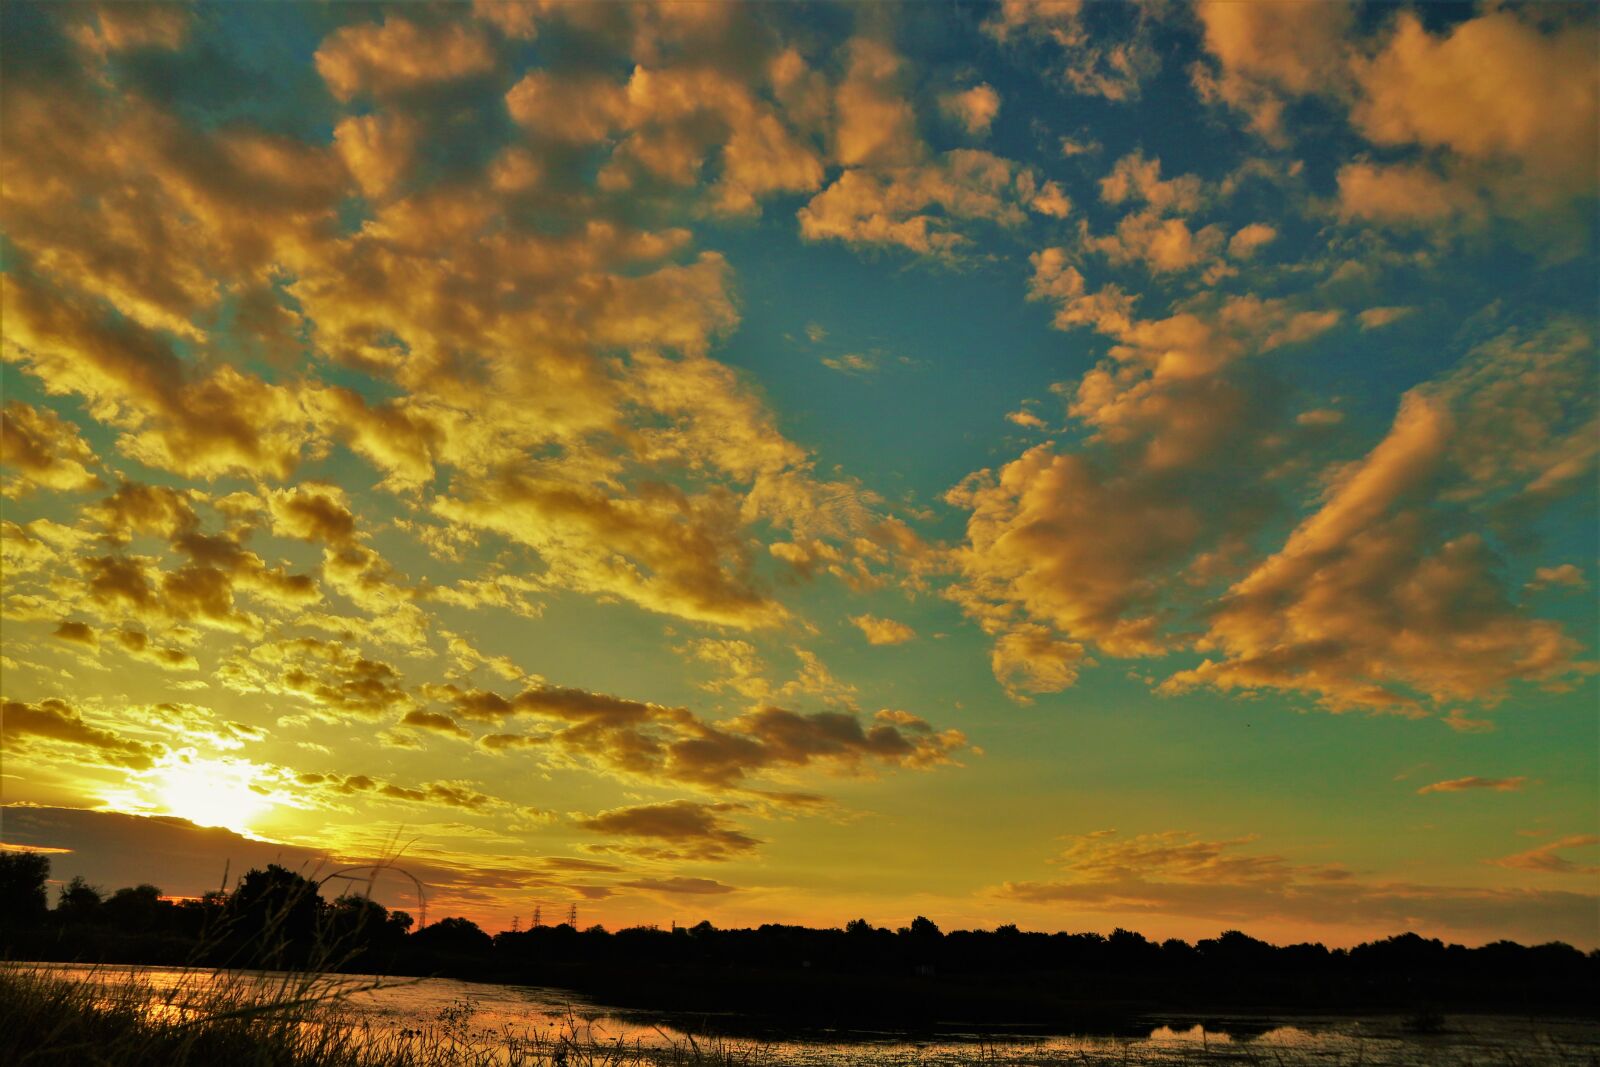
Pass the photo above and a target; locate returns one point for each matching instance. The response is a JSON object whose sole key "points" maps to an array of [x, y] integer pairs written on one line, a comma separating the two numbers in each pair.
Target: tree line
{"points": [[274, 917]]}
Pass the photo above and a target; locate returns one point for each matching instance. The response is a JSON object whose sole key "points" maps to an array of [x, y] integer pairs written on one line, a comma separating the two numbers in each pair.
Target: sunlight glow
{"points": [[211, 792]]}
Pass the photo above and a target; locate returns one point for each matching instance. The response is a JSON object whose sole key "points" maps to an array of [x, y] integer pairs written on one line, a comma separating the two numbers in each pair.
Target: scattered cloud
{"points": [[1179, 873], [973, 109], [851, 363], [680, 886], [879, 631], [680, 829], [1547, 858], [1562, 576], [1459, 785]]}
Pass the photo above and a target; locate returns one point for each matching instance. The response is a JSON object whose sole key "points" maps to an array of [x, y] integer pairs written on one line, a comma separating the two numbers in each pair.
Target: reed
{"points": [[251, 1019]]}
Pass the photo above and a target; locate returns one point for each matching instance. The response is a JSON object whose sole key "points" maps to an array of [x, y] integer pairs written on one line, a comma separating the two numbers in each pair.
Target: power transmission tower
{"points": [[538, 915], [572, 916]]}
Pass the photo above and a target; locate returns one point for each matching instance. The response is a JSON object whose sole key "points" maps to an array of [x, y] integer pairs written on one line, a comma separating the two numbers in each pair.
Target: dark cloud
{"points": [[681, 886], [55, 721], [654, 741], [112, 849], [76, 632], [430, 720], [683, 829]]}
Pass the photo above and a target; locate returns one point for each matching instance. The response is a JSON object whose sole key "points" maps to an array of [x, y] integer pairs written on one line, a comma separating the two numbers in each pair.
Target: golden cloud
{"points": [[44, 449], [399, 56], [879, 631], [55, 722]]}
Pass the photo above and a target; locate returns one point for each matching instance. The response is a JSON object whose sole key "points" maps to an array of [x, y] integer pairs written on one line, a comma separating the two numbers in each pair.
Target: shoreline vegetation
{"points": [[292, 1019], [913, 980]]}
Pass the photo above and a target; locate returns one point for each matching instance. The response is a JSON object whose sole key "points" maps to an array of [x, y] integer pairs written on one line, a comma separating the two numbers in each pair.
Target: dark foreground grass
{"points": [[211, 1018], [237, 1019]]}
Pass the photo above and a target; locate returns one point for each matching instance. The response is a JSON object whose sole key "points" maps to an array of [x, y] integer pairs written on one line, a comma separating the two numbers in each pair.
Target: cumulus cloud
{"points": [[335, 679], [973, 109], [1270, 52], [661, 549], [1157, 235], [1109, 60], [1031, 659], [1406, 194], [1138, 180], [462, 305], [139, 645], [919, 207], [203, 588], [879, 631], [1250, 239], [580, 110], [226, 421], [312, 511], [1163, 245], [44, 449], [1104, 543], [1342, 609], [399, 56], [876, 124], [1499, 108], [1495, 87], [461, 391]]}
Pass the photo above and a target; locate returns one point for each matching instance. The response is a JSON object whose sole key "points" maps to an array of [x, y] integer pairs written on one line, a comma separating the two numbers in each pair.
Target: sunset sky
{"points": [[1074, 466]]}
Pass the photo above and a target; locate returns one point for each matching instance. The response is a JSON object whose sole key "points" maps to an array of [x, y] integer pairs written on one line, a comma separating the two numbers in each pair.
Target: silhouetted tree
{"points": [[356, 917], [23, 898], [454, 937], [79, 900], [136, 909], [23, 879], [273, 916]]}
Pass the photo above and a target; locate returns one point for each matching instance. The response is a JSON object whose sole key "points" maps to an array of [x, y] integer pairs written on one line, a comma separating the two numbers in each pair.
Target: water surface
{"points": [[491, 1014]]}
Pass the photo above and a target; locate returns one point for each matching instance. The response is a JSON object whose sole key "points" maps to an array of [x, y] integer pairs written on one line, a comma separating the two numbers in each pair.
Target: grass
{"points": [[208, 1018], [239, 1019]]}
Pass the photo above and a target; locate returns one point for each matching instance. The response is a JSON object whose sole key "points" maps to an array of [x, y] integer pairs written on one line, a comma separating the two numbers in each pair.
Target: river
{"points": [[485, 1014]]}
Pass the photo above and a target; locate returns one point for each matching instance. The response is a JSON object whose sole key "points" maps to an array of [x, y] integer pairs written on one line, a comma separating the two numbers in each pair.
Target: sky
{"points": [[1073, 465]]}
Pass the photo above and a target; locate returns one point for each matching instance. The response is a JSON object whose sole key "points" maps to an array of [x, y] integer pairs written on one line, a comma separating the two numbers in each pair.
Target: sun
{"points": [[211, 792]]}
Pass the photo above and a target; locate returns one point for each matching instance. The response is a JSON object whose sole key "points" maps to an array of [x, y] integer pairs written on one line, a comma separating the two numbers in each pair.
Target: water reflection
{"points": [[522, 1014]]}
